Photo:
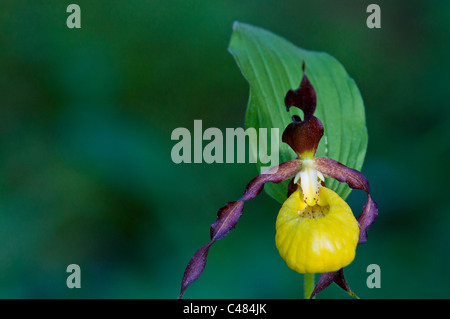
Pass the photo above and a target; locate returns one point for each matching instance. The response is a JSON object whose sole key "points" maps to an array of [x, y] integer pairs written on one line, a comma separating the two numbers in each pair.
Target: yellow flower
{"points": [[319, 238]]}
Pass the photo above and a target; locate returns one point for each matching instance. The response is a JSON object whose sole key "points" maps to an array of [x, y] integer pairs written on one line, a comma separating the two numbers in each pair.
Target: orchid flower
{"points": [[316, 231]]}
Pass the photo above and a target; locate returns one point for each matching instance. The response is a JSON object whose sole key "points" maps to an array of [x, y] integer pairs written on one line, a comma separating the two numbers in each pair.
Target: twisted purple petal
{"points": [[228, 216], [355, 180]]}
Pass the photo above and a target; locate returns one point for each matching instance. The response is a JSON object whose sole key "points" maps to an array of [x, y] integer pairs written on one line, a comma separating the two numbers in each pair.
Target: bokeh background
{"points": [[86, 117]]}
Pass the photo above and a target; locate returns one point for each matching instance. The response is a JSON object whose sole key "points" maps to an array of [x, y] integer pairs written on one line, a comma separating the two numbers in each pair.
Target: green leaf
{"points": [[272, 66]]}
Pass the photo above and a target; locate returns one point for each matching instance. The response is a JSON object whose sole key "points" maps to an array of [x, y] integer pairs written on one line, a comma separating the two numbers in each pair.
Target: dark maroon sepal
{"points": [[303, 136], [228, 216], [304, 97], [327, 278]]}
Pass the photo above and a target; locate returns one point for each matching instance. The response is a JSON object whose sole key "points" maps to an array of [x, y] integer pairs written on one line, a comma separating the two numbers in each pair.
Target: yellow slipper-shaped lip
{"points": [[319, 238]]}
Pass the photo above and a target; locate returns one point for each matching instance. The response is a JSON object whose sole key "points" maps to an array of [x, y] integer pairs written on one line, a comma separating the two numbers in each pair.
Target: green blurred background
{"points": [[86, 117]]}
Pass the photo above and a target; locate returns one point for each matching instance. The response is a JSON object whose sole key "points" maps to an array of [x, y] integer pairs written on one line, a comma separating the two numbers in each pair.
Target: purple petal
{"points": [[367, 218], [355, 180], [195, 267], [342, 173], [275, 175], [228, 216]]}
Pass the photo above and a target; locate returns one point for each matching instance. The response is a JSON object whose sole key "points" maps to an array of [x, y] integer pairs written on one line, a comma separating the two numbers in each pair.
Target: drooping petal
{"points": [[367, 218], [355, 180], [195, 267], [228, 216]]}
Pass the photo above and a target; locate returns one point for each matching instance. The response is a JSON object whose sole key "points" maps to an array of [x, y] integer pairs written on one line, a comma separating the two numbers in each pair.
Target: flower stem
{"points": [[308, 284]]}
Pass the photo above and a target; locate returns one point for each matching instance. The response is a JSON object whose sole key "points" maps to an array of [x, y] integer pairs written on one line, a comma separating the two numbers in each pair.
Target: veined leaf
{"points": [[272, 66]]}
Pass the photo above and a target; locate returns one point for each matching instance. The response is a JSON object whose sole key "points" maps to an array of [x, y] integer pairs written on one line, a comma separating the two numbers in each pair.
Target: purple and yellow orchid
{"points": [[316, 231]]}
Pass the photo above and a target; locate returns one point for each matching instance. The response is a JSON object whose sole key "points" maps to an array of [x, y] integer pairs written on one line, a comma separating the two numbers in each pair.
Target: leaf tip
{"points": [[235, 24]]}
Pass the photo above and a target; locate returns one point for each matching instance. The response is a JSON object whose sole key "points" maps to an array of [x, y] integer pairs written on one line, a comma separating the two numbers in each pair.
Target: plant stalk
{"points": [[308, 285]]}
